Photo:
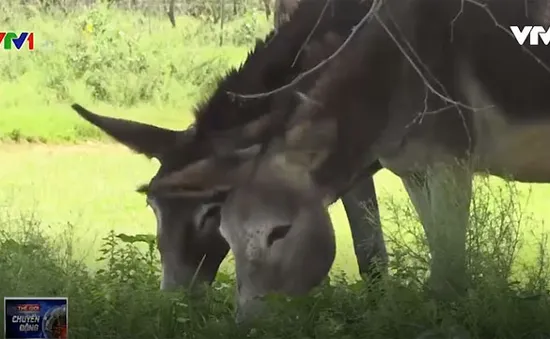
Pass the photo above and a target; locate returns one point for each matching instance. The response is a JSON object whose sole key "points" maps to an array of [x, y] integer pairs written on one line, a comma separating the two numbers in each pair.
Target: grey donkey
{"points": [[189, 239], [431, 89]]}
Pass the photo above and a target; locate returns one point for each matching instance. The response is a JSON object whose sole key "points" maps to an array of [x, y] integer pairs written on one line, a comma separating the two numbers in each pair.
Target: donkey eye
{"points": [[278, 232], [209, 211]]}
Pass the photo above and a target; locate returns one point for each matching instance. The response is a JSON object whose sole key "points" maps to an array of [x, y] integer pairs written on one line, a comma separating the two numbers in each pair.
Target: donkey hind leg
{"points": [[441, 197], [363, 214]]}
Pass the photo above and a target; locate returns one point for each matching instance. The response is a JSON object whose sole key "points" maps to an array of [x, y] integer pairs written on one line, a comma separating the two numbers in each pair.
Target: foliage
{"points": [[124, 58], [208, 10], [122, 298], [112, 58], [126, 264]]}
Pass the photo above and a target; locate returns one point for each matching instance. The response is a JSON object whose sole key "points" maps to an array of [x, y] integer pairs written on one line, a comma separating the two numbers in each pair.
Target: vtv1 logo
{"points": [[533, 32], [9, 38]]}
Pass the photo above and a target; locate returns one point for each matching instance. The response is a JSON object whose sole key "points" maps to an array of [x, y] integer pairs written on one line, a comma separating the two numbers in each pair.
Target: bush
{"points": [[116, 59], [124, 58]]}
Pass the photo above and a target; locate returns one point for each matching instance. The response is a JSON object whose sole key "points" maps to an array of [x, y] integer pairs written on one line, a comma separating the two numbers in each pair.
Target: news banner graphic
{"points": [[29, 318], [9, 39]]}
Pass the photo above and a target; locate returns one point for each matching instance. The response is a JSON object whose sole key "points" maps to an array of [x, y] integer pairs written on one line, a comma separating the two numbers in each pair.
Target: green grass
{"points": [[58, 123], [57, 202], [92, 188]]}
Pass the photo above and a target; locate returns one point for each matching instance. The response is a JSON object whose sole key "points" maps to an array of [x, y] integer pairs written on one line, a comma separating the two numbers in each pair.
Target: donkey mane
{"points": [[270, 65], [264, 68]]}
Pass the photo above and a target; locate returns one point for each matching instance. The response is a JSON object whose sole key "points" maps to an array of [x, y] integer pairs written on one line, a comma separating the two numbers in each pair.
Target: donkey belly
{"points": [[511, 145], [514, 151], [518, 152], [507, 144]]}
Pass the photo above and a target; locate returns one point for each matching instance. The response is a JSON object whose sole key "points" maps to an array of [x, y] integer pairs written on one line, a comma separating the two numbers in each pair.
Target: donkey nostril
{"points": [[278, 232]]}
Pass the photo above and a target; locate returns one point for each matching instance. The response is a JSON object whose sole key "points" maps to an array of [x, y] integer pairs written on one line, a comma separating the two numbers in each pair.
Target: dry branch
{"points": [[374, 8]]}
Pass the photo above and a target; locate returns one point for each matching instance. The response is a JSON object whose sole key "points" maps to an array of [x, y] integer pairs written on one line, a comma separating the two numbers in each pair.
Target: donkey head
{"points": [[188, 237], [273, 218]]}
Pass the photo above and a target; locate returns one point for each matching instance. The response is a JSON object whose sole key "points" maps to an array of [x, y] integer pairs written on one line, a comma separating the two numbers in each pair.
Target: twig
{"points": [[426, 82], [415, 67], [507, 31], [311, 32], [375, 6]]}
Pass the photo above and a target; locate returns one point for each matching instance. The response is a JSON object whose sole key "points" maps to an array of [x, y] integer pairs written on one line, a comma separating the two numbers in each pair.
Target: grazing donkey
{"points": [[188, 236], [437, 90]]}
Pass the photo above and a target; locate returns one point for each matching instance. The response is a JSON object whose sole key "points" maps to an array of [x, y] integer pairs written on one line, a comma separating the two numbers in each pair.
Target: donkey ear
{"points": [[142, 138], [206, 177]]}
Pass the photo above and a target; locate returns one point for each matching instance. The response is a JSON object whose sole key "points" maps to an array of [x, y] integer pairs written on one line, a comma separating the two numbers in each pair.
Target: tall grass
{"points": [[506, 299]]}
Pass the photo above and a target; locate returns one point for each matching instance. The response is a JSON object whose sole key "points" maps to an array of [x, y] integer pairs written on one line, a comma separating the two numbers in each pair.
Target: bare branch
{"points": [[311, 33], [445, 98], [507, 31], [375, 6], [456, 18], [415, 67]]}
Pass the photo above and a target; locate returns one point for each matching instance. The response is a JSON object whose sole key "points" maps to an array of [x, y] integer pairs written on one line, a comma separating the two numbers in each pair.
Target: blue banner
{"points": [[29, 318]]}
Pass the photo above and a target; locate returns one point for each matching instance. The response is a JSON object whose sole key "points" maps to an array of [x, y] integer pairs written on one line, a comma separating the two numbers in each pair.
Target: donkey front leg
{"points": [[441, 197], [363, 214]]}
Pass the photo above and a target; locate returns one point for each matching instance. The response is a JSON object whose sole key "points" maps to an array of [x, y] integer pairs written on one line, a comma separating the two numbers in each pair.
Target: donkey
{"points": [[436, 91], [187, 225]]}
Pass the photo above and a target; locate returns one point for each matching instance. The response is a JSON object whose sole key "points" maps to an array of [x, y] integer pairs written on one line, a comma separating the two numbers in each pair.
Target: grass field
{"points": [[92, 187], [75, 194], [89, 190], [64, 187]]}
